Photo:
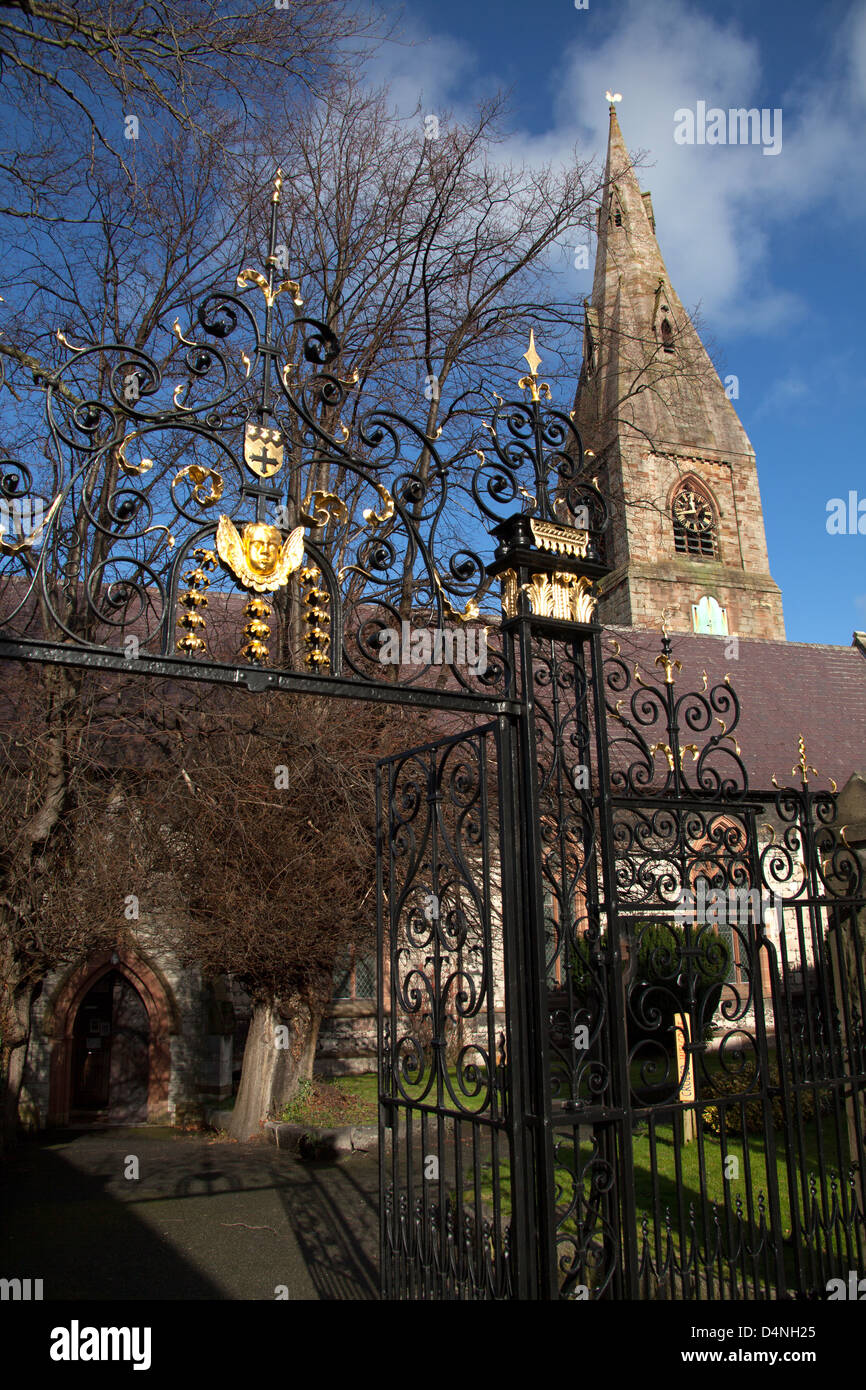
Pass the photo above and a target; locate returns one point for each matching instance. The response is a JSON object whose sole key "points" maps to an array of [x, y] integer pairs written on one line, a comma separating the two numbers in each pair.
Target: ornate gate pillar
{"points": [[548, 563]]}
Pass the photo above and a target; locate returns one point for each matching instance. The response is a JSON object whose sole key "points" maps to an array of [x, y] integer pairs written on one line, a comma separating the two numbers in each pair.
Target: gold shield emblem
{"points": [[263, 450]]}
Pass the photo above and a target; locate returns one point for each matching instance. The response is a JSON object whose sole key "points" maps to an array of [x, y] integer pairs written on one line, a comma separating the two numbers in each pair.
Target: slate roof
{"points": [[785, 689]]}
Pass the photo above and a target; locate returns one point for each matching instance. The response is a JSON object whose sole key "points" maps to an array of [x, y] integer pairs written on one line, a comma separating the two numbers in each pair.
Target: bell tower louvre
{"points": [[670, 451]]}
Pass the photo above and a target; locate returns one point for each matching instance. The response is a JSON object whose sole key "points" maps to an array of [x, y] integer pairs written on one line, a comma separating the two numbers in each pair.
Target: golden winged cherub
{"points": [[259, 559]]}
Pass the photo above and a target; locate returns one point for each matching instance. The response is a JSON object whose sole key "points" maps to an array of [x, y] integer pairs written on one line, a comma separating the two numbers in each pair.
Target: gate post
{"points": [[547, 571]]}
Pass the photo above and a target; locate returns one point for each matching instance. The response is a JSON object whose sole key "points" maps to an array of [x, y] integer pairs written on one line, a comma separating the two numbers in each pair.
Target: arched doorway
{"points": [[111, 1053], [111, 1060]]}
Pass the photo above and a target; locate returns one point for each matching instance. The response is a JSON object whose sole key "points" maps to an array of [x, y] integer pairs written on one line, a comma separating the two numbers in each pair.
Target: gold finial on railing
{"points": [[665, 657], [530, 382], [801, 765]]}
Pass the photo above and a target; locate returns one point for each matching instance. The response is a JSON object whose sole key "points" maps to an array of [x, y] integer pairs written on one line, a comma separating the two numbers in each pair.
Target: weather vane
{"points": [[613, 96]]}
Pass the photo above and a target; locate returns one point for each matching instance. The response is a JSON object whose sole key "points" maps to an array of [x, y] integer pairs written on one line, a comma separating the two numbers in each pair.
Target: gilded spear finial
{"points": [[801, 765], [530, 382], [531, 355]]}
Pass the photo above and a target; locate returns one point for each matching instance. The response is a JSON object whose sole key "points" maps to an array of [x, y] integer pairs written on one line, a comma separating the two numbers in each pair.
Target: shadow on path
{"points": [[204, 1219], [334, 1211], [61, 1223]]}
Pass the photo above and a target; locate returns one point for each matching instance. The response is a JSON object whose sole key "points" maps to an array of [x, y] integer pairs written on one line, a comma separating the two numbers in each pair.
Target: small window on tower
{"points": [[667, 336], [694, 525], [617, 217]]}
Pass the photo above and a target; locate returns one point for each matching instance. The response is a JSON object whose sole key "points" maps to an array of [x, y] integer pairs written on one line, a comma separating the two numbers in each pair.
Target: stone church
{"points": [[670, 451], [131, 1036], [689, 547]]}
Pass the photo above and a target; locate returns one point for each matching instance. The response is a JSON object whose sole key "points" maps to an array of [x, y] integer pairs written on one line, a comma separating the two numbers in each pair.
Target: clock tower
{"points": [[669, 449]]}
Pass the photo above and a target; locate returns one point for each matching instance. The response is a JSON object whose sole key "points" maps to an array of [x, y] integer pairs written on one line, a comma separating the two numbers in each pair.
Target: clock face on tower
{"points": [[692, 511]]}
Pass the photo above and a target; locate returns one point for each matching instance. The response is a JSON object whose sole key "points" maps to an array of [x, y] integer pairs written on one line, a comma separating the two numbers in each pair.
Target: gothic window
{"points": [[590, 339], [667, 336], [694, 525]]}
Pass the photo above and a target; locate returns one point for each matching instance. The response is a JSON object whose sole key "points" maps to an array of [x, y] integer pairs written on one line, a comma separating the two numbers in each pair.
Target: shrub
{"points": [[740, 1083], [656, 993]]}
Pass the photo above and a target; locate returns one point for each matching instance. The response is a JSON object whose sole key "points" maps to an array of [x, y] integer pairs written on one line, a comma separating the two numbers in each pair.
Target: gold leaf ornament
{"points": [[321, 507], [198, 477], [26, 542], [375, 519], [248, 276], [132, 470]]}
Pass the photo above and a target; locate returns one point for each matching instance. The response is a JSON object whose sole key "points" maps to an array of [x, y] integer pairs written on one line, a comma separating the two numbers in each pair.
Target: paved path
{"points": [[206, 1219]]}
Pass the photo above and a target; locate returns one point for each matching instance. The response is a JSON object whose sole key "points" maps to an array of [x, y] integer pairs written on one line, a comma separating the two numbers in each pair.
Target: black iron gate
{"points": [[594, 1081], [684, 965], [447, 1110]]}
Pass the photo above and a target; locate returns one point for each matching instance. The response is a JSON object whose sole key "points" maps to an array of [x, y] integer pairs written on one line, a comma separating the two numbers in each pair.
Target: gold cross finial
{"points": [[531, 356]]}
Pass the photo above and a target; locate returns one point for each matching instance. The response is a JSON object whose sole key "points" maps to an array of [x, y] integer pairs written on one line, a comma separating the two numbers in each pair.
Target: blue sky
{"points": [[771, 249]]}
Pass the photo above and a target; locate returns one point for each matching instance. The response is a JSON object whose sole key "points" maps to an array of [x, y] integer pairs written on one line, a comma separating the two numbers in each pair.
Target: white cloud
{"points": [[435, 71], [720, 210], [784, 393]]}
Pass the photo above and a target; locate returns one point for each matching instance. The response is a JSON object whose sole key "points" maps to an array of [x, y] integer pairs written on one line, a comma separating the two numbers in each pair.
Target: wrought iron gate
{"points": [[593, 1082], [447, 1107], [688, 1118], [706, 975]]}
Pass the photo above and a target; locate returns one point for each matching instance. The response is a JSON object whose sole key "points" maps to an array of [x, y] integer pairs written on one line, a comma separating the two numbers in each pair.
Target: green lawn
{"points": [[327, 1103], [672, 1177], [367, 1087], [354, 1099]]}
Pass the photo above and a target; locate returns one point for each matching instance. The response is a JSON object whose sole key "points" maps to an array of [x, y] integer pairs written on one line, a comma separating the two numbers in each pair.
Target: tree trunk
{"points": [[13, 1055], [20, 952], [279, 1053]]}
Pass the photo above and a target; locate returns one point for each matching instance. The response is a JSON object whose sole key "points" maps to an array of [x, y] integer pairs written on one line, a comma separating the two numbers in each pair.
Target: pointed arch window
{"points": [[694, 523], [667, 335]]}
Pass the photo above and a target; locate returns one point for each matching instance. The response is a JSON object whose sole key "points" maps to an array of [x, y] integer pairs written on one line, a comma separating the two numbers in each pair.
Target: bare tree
{"points": [[273, 855], [83, 78], [106, 218], [427, 257]]}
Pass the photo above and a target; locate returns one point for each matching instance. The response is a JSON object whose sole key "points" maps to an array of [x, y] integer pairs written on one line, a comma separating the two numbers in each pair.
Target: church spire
{"points": [[652, 371], [653, 409]]}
